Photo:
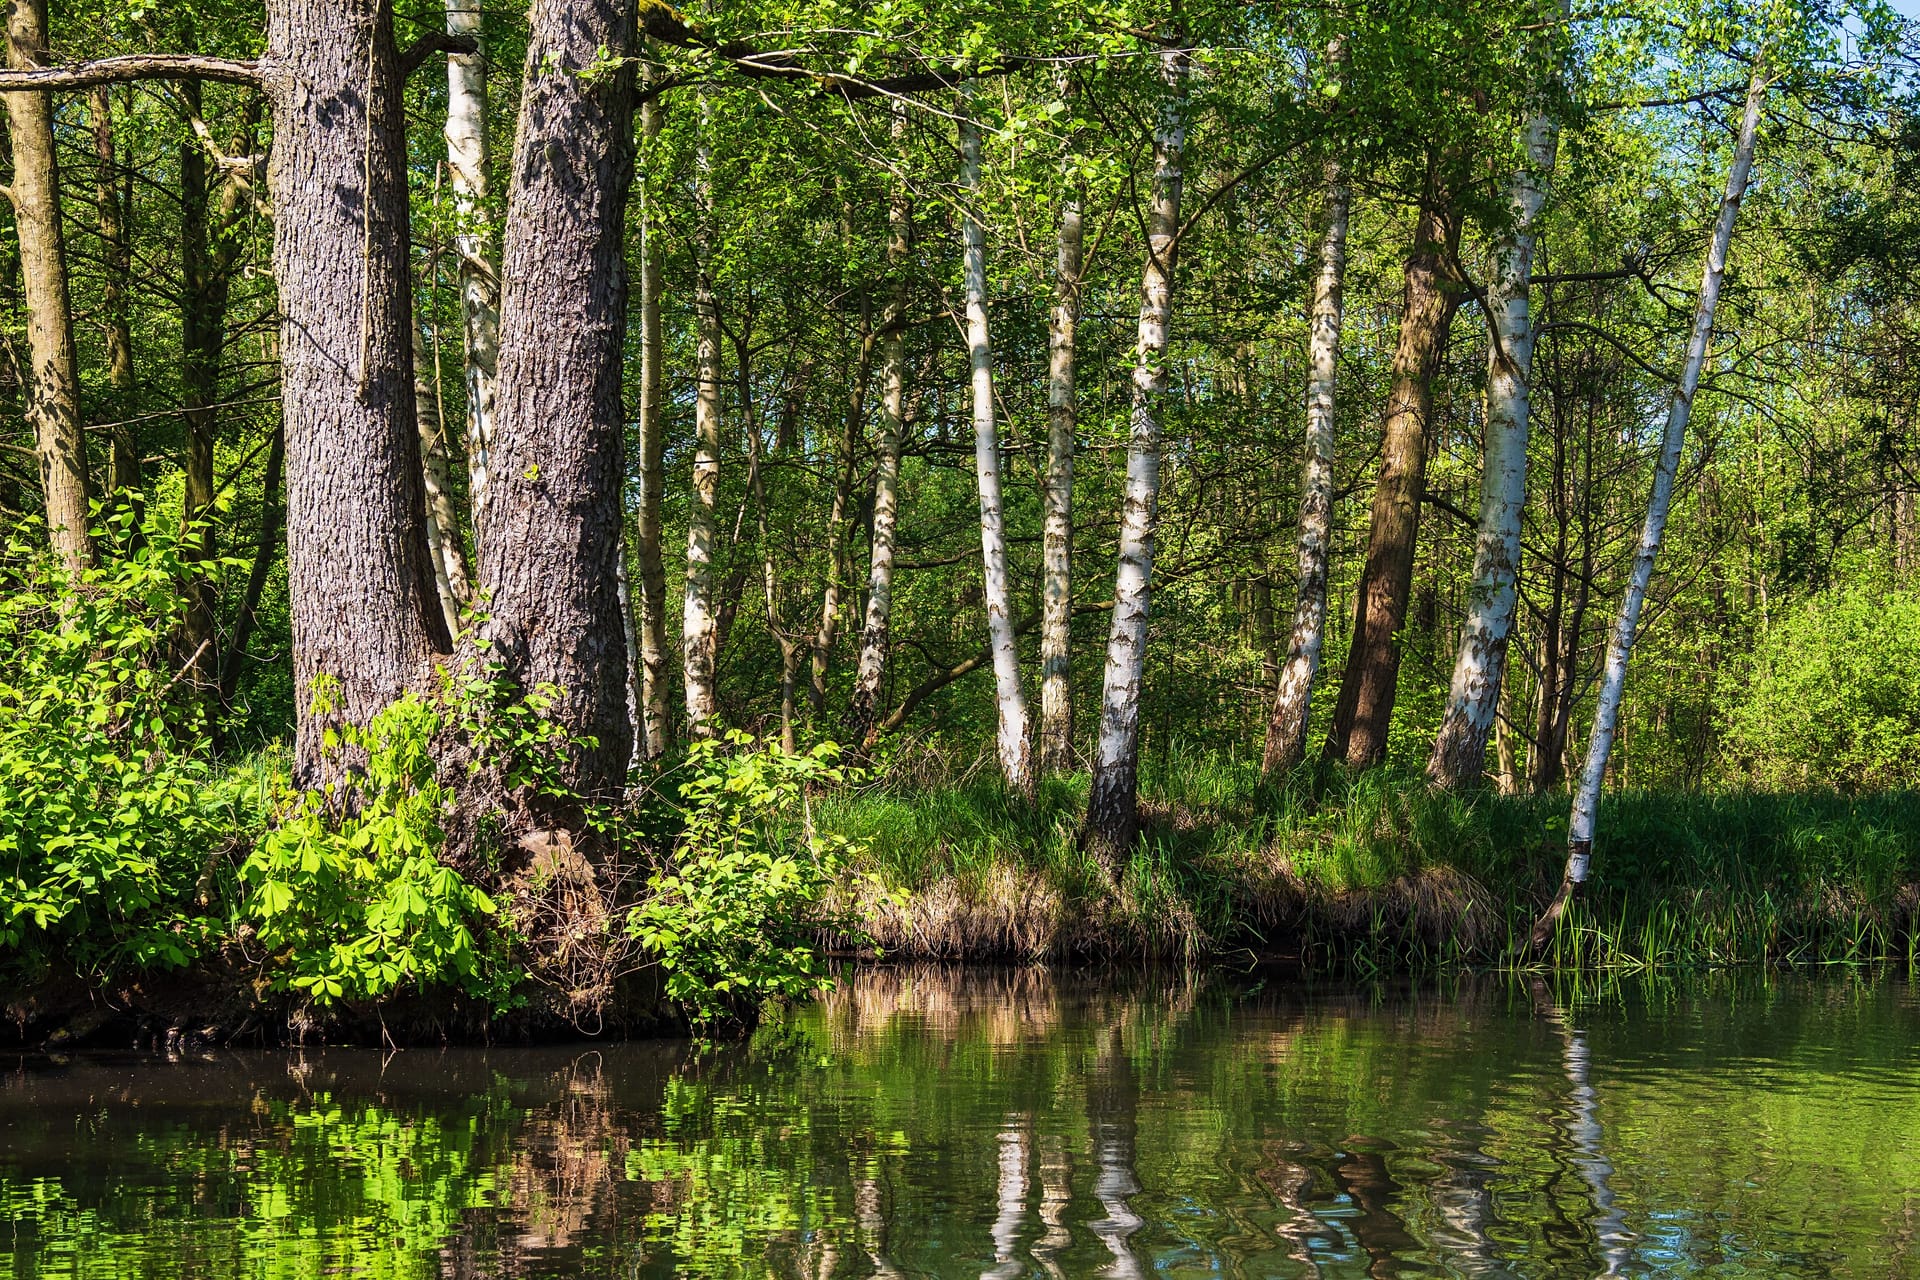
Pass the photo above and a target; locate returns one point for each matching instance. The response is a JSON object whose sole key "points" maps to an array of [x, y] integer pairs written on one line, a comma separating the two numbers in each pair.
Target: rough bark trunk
{"points": [[53, 387], [1460, 747], [1286, 743], [1056, 587], [656, 722], [1011, 703], [1358, 734], [1606, 713], [1112, 810], [553, 516], [872, 671], [466, 137], [366, 622], [123, 468], [852, 430], [699, 634]]}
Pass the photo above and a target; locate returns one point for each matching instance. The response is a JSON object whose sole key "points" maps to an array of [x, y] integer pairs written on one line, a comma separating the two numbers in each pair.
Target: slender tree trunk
{"points": [[1012, 737], [699, 634], [273, 516], [1358, 734], [1460, 748], [123, 469], [1056, 588], [1293, 698], [450, 574], [466, 136], [1606, 715], [872, 671], [53, 385], [366, 621], [554, 524], [656, 722], [837, 557], [1112, 809]]}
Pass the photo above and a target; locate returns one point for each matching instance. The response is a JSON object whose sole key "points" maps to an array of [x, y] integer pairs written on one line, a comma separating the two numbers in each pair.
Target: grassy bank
{"points": [[1379, 871]]}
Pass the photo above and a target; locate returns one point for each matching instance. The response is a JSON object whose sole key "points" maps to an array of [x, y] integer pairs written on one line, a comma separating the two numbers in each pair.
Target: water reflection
{"points": [[922, 1122]]}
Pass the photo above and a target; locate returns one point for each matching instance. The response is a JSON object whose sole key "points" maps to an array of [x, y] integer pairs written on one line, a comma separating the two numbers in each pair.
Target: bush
{"points": [[1834, 700], [111, 814]]}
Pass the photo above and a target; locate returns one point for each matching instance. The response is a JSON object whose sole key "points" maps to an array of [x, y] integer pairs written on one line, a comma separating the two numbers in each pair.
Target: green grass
{"points": [[1378, 871]]}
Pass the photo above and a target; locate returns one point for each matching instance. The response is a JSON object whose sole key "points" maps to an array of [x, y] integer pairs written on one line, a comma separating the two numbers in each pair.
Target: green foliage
{"points": [[737, 916], [1834, 699], [112, 816], [349, 891]]}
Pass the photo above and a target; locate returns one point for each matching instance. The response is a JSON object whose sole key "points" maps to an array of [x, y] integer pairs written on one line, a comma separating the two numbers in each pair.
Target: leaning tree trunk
{"points": [[450, 574], [699, 633], [53, 386], [1606, 714], [1358, 734], [872, 671], [1460, 748], [553, 518], [1011, 703], [466, 135], [656, 723], [1056, 588], [366, 623], [1293, 697], [1112, 804], [123, 468]]}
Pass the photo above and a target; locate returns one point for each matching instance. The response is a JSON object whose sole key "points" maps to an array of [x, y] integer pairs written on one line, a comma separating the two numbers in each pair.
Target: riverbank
{"points": [[1380, 872]]}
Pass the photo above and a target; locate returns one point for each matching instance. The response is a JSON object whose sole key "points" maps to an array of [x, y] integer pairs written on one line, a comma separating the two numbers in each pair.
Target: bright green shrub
{"points": [[1834, 697], [111, 814]]}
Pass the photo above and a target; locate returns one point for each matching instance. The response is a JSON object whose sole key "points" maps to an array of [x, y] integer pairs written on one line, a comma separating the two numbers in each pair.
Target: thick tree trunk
{"points": [[1361, 717], [466, 136], [1056, 586], [699, 634], [451, 577], [871, 675], [656, 722], [553, 516], [53, 386], [1293, 698], [123, 468], [366, 623], [1112, 809], [1460, 748], [1606, 714], [853, 428], [1011, 703]]}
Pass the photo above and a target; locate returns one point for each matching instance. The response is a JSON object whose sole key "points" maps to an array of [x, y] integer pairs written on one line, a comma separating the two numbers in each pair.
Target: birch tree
{"points": [[656, 724], [1613, 679], [699, 634], [1056, 584], [466, 139], [1112, 803]]}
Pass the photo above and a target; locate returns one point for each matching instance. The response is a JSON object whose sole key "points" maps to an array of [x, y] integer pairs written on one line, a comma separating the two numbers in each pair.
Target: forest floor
{"points": [[1378, 871]]}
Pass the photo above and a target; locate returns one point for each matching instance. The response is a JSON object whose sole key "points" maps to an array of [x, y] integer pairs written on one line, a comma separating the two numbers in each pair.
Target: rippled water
{"points": [[929, 1123]]}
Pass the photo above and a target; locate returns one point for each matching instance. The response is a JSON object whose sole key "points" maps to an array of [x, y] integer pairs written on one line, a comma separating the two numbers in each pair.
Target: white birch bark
{"points": [[1056, 589], [1012, 740], [451, 578], [1606, 717], [1460, 747], [466, 136], [698, 630], [1112, 811], [1293, 697], [872, 670]]}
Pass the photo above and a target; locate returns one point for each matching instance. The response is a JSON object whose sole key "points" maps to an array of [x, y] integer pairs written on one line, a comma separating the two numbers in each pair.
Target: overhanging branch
{"points": [[130, 66]]}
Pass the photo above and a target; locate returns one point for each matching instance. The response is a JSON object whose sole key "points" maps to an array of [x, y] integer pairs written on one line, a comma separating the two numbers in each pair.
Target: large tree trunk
{"points": [[656, 723], [53, 387], [123, 468], [1606, 713], [699, 634], [553, 517], [1112, 809], [366, 624], [1358, 734], [1460, 748], [1056, 586], [872, 671], [1293, 697], [466, 135], [1012, 737]]}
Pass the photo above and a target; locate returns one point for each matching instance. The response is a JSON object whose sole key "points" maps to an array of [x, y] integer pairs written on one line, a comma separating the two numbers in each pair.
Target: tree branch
{"points": [[130, 66], [431, 43]]}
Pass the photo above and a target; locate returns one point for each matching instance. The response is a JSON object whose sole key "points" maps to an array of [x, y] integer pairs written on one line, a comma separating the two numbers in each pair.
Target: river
{"points": [[1003, 1123]]}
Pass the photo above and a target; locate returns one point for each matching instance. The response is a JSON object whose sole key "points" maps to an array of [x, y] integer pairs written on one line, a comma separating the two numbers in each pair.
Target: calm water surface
{"points": [[928, 1123]]}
